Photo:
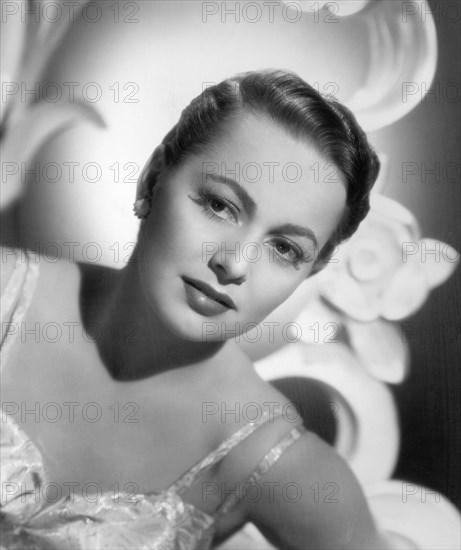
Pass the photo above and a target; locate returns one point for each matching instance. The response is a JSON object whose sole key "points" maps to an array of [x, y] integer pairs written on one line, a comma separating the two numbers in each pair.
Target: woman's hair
{"points": [[294, 105]]}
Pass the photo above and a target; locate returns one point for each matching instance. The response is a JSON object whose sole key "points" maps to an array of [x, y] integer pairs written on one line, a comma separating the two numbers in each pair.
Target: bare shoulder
{"points": [[245, 397], [245, 393], [315, 502], [303, 493], [7, 265], [58, 280]]}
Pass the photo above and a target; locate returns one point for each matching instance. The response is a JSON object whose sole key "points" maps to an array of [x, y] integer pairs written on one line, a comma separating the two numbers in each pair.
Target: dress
{"points": [[155, 520]]}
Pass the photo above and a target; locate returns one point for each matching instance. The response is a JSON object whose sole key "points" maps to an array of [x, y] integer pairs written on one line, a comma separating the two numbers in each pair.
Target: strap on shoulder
{"points": [[17, 297], [188, 478], [269, 459]]}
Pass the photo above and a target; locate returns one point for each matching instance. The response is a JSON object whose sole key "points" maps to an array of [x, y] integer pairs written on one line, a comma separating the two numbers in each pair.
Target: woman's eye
{"points": [[290, 253], [216, 207], [287, 250]]}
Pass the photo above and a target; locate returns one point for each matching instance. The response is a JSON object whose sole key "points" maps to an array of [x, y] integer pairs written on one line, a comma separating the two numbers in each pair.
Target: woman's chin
{"points": [[194, 327]]}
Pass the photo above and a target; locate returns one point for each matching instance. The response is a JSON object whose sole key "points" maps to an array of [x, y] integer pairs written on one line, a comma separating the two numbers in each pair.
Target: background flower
{"points": [[384, 273], [386, 270]]}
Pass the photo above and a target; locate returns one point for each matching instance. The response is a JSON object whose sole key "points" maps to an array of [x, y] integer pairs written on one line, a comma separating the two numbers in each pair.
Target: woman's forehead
{"points": [[258, 149], [254, 150], [256, 138]]}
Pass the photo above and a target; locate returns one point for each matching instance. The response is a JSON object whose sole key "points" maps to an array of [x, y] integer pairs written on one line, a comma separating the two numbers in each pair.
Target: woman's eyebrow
{"points": [[250, 207], [242, 194], [292, 229]]}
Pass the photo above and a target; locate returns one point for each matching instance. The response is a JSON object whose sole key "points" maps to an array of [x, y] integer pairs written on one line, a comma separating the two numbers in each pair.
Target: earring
{"points": [[142, 207]]}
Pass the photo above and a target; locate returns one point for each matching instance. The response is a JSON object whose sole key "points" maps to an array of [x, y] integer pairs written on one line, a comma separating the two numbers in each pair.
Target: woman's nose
{"points": [[230, 263]]}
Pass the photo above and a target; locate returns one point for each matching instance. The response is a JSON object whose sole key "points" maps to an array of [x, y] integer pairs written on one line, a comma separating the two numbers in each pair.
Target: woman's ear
{"points": [[153, 167]]}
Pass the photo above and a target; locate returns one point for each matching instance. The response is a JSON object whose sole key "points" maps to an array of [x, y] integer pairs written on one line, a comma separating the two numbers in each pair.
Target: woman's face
{"points": [[247, 218]]}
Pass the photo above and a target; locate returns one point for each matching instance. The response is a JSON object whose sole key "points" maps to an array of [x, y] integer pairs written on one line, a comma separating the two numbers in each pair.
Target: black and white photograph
{"points": [[230, 275]]}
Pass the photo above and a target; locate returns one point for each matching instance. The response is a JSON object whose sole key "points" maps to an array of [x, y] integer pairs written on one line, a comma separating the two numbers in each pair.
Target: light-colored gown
{"points": [[154, 520]]}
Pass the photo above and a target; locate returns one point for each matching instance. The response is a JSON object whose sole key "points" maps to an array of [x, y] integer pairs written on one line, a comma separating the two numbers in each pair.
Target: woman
{"points": [[144, 444]]}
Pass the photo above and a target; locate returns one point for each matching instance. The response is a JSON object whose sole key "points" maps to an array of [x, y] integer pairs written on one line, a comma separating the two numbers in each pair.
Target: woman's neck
{"points": [[132, 341]]}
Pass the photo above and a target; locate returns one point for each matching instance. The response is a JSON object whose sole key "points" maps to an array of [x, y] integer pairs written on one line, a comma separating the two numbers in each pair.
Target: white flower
{"points": [[386, 270]]}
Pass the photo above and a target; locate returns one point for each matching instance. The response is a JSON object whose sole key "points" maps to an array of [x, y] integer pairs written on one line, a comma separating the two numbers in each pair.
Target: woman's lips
{"points": [[209, 291], [204, 299]]}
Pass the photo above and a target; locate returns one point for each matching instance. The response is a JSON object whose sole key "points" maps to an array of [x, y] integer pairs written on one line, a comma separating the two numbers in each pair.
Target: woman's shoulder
{"points": [[12, 256], [19, 274], [57, 277], [239, 383], [242, 397], [8, 264], [52, 288]]}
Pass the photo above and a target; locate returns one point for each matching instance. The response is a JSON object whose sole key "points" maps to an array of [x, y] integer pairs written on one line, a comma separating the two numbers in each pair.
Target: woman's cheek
{"points": [[199, 235], [173, 227], [274, 287]]}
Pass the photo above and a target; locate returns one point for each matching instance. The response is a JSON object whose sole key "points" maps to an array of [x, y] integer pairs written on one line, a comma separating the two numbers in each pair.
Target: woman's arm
{"points": [[311, 499]]}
